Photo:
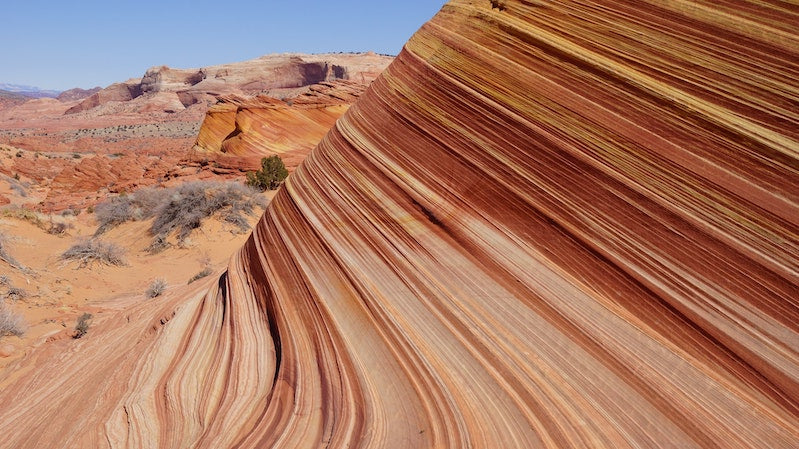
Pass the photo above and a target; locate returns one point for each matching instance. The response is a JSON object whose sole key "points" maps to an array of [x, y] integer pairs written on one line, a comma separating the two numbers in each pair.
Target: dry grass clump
{"points": [[156, 288], [205, 272], [48, 223], [19, 187], [59, 228], [11, 323], [16, 293], [20, 213], [139, 205], [180, 209], [82, 325], [4, 255], [88, 251]]}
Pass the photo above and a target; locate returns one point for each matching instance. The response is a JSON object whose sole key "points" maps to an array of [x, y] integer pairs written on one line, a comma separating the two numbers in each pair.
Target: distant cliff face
{"points": [[262, 75], [546, 225]]}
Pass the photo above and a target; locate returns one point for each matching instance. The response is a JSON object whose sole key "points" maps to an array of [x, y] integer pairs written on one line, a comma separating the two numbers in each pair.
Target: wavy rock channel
{"points": [[547, 224]]}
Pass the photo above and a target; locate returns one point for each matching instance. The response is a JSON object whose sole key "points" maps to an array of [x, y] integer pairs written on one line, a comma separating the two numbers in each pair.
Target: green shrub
{"points": [[272, 173]]}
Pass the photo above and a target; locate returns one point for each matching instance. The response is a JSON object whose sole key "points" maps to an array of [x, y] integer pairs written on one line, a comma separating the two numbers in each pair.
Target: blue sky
{"points": [[64, 44]]}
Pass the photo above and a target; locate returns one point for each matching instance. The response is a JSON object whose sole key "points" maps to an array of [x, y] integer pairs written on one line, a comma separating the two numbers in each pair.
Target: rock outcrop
{"points": [[77, 94], [268, 74], [547, 224], [118, 92], [238, 131]]}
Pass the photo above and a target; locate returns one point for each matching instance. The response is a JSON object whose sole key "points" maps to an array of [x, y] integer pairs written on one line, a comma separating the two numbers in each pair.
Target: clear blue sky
{"points": [[63, 44]]}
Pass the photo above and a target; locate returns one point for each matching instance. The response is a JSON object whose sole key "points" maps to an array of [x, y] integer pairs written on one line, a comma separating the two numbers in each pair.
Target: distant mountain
{"points": [[29, 91], [8, 99], [77, 93]]}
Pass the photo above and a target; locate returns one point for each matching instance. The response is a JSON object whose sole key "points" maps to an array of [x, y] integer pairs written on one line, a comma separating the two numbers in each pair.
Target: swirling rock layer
{"points": [[548, 224], [238, 131]]}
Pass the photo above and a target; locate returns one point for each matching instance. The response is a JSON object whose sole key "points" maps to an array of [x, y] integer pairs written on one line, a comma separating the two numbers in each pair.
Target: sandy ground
{"points": [[59, 291]]}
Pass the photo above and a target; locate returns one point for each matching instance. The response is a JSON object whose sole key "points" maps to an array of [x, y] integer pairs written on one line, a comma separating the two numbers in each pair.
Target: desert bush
{"points": [[11, 323], [191, 203], [70, 212], [5, 280], [4, 255], [92, 250], [139, 205], [16, 293], [82, 326], [156, 288], [205, 272], [59, 228], [272, 173], [17, 186], [179, 209]]}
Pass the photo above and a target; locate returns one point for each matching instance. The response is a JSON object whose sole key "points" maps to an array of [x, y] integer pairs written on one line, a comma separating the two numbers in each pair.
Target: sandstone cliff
{"points": [[268, 74], [238, 131], [118, 92], [547, 224], [77, 93]]}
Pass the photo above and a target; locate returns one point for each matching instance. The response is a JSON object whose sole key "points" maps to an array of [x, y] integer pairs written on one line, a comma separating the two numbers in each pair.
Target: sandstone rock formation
{"points": [[116, 92], [548, 224], [267, 74], [159, 115], [238, 131], [77, 93]]}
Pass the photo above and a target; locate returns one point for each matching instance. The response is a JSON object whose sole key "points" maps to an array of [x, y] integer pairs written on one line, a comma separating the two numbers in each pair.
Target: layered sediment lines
{"points": [[238, 131], [547, 224]]}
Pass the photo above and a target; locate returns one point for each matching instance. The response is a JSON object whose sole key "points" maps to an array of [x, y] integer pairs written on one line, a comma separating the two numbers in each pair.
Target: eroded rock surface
{"points": [[547, 224], [238, 131]]}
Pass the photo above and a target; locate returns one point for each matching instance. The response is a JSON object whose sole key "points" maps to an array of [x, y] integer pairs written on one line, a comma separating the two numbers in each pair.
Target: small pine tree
{"points": [[272, 173]]}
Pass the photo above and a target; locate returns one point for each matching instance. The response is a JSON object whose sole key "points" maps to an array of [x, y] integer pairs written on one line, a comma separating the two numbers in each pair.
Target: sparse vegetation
{"points": [[20, 213], [70, 212], [272, 173], [16, 293], [58, 228], [11, 323], [156, 288], [82, 326], [87, 251], [205, 272], [179, 209], [19, 187], [139, 205], [4, 255]]}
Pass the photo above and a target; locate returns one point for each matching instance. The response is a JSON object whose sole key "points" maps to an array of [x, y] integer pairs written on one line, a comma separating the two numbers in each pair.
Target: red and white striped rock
{"points": [[548, 224]]}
